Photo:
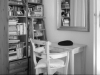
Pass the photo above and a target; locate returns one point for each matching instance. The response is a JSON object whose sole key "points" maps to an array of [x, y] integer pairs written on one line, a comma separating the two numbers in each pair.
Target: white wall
{"points": [[77, 37]]}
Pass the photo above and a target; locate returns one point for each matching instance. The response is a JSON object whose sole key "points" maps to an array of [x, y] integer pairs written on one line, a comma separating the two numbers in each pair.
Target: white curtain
{"points": [[79, 13]]}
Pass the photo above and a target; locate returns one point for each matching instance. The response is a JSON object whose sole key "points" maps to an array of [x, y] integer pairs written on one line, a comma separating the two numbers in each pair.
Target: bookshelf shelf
{"points": [[18, 59], [15, 4], [39, 30], [36, 17], [34, 3], [67, 17], [17, 16], [66, 8]]}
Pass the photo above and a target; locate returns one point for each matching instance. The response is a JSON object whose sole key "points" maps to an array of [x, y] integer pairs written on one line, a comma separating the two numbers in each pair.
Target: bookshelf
{"points": [[17, 36], [36, 17], [24, 16], [36, 23]]}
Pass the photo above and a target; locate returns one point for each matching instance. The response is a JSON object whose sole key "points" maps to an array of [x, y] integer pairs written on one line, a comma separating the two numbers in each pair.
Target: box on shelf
{"points": [[36, 11]]}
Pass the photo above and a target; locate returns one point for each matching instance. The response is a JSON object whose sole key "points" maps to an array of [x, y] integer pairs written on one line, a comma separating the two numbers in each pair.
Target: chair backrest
{"points": [[42, 49]]}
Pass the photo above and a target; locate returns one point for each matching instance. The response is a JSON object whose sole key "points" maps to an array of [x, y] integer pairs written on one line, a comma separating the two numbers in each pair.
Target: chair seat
{"points": [[54, 63]]}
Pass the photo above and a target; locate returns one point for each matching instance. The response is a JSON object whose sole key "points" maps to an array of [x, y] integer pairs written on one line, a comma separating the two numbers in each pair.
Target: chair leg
{"points": [[66, 70], [37, 72]]}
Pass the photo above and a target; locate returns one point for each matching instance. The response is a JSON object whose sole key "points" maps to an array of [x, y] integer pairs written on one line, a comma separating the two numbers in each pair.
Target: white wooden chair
{"points": [[49, 62]]}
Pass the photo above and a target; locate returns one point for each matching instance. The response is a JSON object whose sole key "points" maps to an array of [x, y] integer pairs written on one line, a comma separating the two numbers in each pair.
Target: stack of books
{"points": [[13, 27]]}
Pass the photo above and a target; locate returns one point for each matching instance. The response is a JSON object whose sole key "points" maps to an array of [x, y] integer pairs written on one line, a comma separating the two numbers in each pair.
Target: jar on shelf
{"points": [[66, 22], [40, 26]]}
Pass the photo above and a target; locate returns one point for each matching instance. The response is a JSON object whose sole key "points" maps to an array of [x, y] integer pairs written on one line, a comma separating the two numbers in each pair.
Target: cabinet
{"points": [[23, 15]]}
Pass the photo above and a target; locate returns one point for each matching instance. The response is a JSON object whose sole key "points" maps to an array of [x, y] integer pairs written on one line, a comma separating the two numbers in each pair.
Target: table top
{"points": [[75, 47]]}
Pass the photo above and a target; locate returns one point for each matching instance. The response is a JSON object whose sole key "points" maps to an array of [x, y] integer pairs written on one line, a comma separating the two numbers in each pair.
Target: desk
{"points": [[74, 49]]}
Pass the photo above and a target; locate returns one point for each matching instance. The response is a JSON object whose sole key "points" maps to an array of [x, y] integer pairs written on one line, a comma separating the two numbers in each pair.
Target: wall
{"points": [[3, 38], [55, 35]]}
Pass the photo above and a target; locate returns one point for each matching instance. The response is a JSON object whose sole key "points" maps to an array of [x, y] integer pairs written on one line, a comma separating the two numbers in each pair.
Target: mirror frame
{"points": [[81, 29]]}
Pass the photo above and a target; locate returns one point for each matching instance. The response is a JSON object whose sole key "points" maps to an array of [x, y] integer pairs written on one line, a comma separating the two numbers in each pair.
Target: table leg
{"points": [[83, 60], [71, 58]]}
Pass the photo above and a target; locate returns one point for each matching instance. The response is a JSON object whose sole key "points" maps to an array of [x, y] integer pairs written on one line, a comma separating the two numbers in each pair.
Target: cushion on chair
{"points": [[54, 63], [40, 49]]}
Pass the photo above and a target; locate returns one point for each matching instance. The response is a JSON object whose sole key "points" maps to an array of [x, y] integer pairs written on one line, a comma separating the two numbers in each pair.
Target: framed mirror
{"points": [[73, 15]]}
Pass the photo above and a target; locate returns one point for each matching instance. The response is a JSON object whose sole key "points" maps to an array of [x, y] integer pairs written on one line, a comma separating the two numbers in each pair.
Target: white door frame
{"points": [[96, 36]]}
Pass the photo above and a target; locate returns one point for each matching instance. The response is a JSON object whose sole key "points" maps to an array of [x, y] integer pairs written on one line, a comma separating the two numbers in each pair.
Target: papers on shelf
{"points": [[13, 33]]}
